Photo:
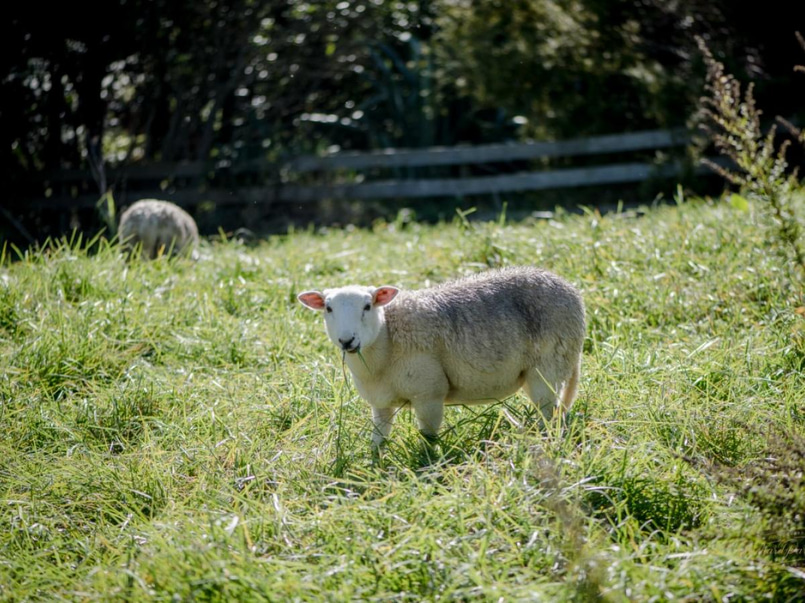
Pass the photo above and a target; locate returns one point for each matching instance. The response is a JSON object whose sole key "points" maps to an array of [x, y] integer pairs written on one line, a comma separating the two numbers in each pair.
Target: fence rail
{"points": [[321, 167], [492, 153], [480, 185]]}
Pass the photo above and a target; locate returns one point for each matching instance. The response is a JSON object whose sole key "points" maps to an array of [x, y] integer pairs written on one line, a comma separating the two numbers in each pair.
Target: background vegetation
{"points": [[159, 80]]}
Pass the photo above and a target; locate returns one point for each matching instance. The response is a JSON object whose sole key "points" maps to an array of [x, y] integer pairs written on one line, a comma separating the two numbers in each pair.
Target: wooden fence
{"points": [[340, 176]]}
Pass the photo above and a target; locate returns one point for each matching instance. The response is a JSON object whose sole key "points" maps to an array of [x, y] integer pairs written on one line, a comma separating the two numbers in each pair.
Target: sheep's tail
{"points": [[571, 387]]}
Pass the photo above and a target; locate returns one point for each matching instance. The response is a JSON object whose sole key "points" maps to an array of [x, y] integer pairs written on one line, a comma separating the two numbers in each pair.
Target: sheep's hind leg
{"points": [[543, 390]]}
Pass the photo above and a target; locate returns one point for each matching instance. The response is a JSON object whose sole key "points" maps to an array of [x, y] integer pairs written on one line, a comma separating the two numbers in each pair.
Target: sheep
{"points": [[475, 340], [159, 227]]}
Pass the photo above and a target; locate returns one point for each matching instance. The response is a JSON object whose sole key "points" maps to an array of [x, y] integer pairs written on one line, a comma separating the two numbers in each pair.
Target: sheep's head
{"points": [[353, 315]]}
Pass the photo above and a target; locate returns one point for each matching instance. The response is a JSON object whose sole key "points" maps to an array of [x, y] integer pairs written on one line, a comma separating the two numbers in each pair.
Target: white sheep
{"points": [[471, 341], [159, 227]]}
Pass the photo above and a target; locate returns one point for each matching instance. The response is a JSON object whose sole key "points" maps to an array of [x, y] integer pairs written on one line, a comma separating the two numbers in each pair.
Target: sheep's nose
{"points": [[346, 343]]}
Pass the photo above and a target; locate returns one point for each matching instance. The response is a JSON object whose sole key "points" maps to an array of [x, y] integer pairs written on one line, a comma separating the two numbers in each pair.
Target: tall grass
{"points": [[176, 430], [759, 164]]}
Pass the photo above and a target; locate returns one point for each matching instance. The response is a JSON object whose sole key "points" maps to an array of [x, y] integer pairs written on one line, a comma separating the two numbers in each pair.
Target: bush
{"points": [[758, 163]]}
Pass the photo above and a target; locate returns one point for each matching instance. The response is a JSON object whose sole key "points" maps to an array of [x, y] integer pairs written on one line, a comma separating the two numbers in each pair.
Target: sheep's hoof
{"points": [[430, 450], [377, 455], [429, 438]]}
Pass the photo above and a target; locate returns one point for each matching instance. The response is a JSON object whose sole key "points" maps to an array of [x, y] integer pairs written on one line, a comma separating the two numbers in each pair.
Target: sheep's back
{"points": [[488, 317]]}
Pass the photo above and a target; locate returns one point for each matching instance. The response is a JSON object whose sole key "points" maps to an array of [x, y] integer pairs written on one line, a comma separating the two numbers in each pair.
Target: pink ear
{"points": [[384, 295], [312, 299]]}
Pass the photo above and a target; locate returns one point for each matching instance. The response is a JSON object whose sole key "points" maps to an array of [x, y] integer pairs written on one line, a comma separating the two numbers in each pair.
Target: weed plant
{"points": [[758, 161]]}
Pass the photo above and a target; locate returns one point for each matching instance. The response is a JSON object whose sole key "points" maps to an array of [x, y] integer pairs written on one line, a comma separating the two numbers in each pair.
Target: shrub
{"points": [[759, 166]]}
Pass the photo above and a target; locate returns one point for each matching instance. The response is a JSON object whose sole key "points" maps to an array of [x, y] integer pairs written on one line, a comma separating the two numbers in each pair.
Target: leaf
{"points": [[738, 202], [800, 311]]}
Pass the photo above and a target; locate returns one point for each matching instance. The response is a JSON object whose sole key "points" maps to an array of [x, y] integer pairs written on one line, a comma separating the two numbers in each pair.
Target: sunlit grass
{"points": [[185, 430]]}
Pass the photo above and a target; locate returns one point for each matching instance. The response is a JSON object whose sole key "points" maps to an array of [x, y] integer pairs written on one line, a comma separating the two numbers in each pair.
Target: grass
{"points": [[184, 431]]}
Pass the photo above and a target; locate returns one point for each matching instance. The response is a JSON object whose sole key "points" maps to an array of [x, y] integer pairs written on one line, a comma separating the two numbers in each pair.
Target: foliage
{"points": [[522, 56], [180, 80], [184, 430], [250, 80], [760, 165], [552, 62]]}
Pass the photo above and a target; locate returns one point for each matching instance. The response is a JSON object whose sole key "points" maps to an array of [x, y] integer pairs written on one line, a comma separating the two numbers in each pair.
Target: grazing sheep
{"points": [[470, 341], [159, 227]]}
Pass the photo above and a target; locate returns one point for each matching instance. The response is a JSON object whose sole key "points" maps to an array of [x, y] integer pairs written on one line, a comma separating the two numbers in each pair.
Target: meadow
{"points": [[180, 430]]}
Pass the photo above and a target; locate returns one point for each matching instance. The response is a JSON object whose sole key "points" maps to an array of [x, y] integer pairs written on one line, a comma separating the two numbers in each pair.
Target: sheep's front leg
{"points": [[426, 387], [429, 415], [382, 418]]}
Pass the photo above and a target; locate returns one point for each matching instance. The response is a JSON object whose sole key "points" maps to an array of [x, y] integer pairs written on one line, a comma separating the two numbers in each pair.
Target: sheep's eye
{"points": [[367, 307], [329, 309]]}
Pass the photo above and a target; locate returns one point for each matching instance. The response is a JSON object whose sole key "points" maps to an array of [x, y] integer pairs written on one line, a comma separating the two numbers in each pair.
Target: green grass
{"points": [[184, 431]]}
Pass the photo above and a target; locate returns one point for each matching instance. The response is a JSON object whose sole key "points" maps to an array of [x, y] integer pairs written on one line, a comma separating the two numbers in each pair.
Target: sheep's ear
{"points": [[312, 299], [384, 295]]}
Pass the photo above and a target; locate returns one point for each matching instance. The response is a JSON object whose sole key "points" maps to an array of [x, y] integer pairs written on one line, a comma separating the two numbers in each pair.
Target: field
{"points": [[182, 430]]}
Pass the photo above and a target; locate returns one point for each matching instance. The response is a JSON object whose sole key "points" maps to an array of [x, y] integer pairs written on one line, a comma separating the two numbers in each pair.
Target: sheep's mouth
{"points": [[353, 350]]}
